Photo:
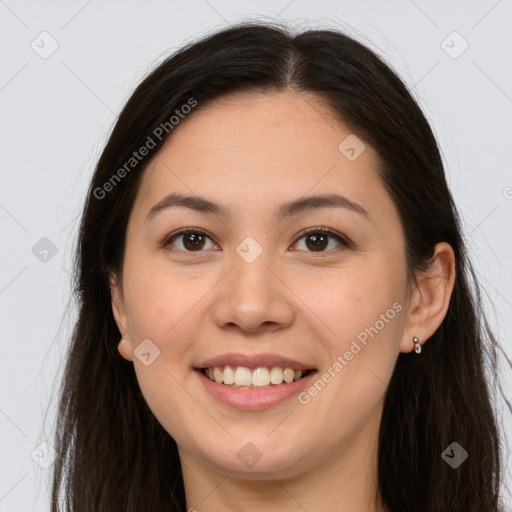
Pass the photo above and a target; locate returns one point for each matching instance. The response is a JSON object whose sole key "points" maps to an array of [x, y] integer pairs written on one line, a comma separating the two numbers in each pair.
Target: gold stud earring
{"points": [[417, 345]]}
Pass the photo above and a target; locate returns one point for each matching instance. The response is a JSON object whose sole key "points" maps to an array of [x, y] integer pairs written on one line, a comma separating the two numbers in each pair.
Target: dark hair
{"points": [[112, 453]]}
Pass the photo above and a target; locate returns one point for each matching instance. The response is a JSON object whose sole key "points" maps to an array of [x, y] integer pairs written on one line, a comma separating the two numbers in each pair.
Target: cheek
{"points": [[351, 301], [361, 314], [164, 308], [161, 308], [159, 297]]}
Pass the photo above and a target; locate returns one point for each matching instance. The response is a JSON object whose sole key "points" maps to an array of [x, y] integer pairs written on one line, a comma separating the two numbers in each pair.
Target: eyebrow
{"points": [[203, 205]]}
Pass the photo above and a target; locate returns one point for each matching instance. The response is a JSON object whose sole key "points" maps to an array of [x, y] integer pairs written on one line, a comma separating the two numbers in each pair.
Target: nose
{"points": [[253, 297]]}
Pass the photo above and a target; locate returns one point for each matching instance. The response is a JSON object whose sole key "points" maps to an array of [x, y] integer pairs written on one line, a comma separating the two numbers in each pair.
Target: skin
{"points": [[252, 152]]}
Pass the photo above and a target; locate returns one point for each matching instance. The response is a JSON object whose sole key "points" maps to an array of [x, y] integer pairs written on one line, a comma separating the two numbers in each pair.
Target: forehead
{"points": [[245, 150], [259, 126]]}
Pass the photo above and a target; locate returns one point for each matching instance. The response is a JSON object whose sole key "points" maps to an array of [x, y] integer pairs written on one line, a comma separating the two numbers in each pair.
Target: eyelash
{"points": [[345, 242]]}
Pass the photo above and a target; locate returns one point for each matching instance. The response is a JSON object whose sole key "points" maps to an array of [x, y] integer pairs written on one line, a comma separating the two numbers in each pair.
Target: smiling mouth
{"points": [[259, 378]]}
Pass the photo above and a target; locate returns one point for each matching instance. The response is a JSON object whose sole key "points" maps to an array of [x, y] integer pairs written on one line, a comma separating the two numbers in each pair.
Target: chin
{"points": [[253, 461]]}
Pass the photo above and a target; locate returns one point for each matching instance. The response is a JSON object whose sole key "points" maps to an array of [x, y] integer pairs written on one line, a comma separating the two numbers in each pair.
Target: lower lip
{"points": [[254, 399]]}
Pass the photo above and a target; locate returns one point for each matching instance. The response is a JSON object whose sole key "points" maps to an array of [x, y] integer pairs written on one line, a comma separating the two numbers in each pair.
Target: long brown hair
{"points": [[113, 455]]}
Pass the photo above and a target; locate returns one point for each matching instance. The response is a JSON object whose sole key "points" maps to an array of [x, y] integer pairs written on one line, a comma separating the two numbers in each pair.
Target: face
{"points": [[244, 281]]}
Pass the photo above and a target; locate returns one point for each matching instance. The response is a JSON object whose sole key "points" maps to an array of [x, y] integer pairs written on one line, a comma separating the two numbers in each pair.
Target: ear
{"points": [[119, 312], [430, 298]]}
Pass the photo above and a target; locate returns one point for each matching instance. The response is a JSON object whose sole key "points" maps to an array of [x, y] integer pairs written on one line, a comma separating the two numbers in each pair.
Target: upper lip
{"points": [[254, 361]]}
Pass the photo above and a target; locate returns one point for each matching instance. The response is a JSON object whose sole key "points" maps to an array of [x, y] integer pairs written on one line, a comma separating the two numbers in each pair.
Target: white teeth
{"points": [[218, 375], [288, 375], [260, 377], [276, 375], [241, 376], [229, 375]]}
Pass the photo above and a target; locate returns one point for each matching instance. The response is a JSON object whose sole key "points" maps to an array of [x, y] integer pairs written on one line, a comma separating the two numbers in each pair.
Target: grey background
{"points": [[57, 111]]}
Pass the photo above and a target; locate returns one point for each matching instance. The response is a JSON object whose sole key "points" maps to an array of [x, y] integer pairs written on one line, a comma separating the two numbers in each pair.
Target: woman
{"points": [[275, 305]]}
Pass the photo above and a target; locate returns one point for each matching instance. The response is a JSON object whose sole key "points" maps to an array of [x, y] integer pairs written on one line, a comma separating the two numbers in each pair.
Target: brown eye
{"points": [[317, 240], [191, 240]]}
